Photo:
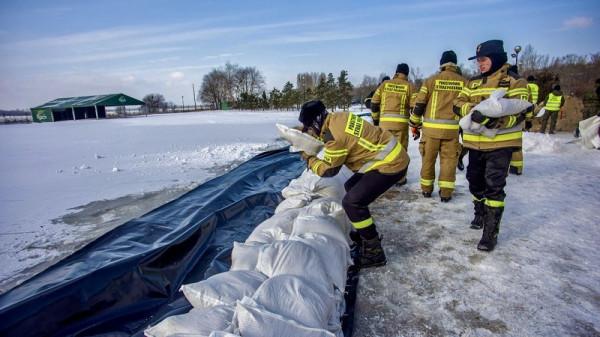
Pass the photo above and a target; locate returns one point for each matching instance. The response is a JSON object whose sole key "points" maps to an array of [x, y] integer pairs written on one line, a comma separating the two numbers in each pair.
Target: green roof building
{"points": [[83, 107]]}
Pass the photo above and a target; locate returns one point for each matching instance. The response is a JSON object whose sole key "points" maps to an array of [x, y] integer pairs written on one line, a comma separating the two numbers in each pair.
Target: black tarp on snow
{"points": [[131, 276]]}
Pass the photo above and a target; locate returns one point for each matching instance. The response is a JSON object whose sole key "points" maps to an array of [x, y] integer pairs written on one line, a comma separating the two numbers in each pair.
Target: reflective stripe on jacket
{"points": [[433, 107], [361, 146], [479, 89], [393, 96]]}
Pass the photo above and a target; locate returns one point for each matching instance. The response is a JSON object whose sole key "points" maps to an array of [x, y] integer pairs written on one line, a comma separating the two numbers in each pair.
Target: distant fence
{"points": [[10, 119]]}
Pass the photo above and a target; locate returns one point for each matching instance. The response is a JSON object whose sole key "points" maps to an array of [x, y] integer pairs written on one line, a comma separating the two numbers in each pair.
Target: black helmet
{"points": [[312, 114]]}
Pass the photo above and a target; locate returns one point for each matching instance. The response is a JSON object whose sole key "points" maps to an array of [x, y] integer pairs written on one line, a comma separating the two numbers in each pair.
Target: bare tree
{"points": [[154, 102]]}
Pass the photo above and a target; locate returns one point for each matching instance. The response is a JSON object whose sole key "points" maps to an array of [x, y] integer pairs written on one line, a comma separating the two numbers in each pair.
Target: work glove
{"points": [[416, 132], [305, 156], [480, 118], [528, 125]]}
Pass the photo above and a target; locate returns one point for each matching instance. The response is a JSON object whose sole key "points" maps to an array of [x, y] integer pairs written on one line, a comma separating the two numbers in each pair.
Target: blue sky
{"points": [[60, 48]]}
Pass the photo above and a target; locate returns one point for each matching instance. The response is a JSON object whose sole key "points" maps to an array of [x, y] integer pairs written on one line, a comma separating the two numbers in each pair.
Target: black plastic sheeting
{"points": [[123, 280], [130, 277]]}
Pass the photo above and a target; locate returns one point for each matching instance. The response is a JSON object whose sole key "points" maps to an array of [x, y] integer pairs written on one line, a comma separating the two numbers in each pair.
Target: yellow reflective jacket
{"points": [[510, 127], [361, 146], [534, 90], [555, 101], [434, 104], [393, 98]]}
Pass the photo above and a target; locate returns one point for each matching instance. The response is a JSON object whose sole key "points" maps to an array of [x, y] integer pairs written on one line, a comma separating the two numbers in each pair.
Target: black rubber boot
{"points": [[491, 227], [514, 170], [445, 199], [427, 194], [401, 182], [372, 254], [477, 222]]}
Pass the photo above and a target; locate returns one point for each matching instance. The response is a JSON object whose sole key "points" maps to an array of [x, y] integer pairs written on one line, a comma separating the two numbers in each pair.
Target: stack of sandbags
{"points": [[286, 279]]}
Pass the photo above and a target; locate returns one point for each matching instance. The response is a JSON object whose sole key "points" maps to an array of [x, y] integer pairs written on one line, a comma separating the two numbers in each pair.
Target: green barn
{"points": [[83, 107]]}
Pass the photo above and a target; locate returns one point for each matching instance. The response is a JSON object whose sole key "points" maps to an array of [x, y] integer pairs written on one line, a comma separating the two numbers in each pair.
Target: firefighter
{"points": [[553, 105], [375, 156], [489, 158], [517, 162], [433, 112], [391, 104]]}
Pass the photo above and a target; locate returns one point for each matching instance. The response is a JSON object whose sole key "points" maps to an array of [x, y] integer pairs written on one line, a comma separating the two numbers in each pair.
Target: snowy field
{"points": [[64, 184]]}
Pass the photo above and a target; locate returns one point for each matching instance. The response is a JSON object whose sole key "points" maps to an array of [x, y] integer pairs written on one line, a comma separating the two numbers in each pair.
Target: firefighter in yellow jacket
{"points": [[391, 104], [489, 158], [434, 113], [374, 155]]}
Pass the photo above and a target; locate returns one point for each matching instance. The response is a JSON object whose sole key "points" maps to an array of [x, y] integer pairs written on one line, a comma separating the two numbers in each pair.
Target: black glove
{"points": [[478, 117], [528, 125]]}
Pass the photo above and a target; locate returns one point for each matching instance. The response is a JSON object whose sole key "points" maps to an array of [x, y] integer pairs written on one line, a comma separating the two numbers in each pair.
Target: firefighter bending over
{"points": [[374, 155]]}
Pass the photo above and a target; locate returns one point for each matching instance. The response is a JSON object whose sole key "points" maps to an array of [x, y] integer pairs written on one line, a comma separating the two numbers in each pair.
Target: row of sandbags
{"points": [[288, 277]]}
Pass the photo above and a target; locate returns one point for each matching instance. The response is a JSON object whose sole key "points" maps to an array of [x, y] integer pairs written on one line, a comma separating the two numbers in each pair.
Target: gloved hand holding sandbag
{"points": [[493, 107], [300, 141]]}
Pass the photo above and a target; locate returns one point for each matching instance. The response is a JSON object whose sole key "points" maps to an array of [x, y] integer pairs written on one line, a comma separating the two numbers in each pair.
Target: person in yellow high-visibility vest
{"points": [[553, 104]]}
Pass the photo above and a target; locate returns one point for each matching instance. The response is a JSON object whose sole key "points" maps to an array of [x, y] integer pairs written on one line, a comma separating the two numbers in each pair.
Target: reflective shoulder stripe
{"points": [[370, 146], [330, 151], [423, 89]]}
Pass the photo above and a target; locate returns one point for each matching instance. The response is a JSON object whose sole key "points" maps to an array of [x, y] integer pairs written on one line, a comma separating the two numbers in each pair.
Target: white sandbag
{"points": [[244, 256], [325, 225], [497, 106], [494, 106], [588, 129], [250, 321], [223, 289], [330, 187], [299, 299], [222, 334], [197, 322], [334, 254], [297, 201], [328, 207], [293, 258], [300, 141], [304, 184], [283, 220]]}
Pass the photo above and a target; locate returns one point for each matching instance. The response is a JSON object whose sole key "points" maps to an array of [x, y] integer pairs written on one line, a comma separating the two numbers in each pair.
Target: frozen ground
{"points": [[543, 279], [64, 184]]}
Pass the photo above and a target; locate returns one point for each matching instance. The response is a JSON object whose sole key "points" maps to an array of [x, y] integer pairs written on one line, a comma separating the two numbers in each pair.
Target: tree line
{"points": [[240, 87]]}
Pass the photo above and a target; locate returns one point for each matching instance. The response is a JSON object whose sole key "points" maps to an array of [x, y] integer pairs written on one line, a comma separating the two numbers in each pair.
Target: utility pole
{"points": [[182, 105], [194, 95], [517, 50]]}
